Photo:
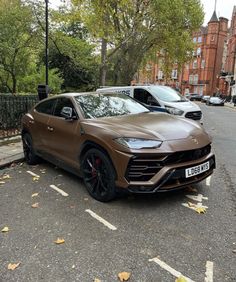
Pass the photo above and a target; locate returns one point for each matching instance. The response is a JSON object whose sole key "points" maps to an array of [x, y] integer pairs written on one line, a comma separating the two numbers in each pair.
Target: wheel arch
{"points": [[87, 145]]}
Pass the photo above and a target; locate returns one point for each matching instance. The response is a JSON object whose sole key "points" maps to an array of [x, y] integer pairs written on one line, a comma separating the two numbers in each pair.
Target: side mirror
{"points": [[67, 113]]}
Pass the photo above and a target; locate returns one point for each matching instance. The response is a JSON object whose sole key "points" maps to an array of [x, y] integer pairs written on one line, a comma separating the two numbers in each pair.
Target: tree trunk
{"points": [[14, 84], [103, 68]]}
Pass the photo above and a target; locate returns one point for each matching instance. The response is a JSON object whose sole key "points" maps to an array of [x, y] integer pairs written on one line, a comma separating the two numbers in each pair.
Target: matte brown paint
{"points": [[63, 139]]}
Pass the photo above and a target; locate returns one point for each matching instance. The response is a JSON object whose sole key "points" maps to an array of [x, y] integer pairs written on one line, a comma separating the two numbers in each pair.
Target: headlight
{"points": [[174, 111], [138, 143]]}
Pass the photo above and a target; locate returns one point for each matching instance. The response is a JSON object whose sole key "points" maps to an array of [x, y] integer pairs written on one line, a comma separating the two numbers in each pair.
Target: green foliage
{"points": [[136, 28], [29, 83]]}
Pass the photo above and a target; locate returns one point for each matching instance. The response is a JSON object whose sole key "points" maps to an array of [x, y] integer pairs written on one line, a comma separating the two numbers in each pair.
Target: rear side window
{"points": [[46, 107], [63, 102]]}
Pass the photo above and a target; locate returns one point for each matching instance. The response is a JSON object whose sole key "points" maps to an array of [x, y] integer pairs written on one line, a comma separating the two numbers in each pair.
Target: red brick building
{"points": [[228, 76], [202, 74]]}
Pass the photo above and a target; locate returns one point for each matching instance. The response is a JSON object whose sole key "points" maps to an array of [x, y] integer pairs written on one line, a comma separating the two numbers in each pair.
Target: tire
{"points": [[98, 175], [29, 152]]}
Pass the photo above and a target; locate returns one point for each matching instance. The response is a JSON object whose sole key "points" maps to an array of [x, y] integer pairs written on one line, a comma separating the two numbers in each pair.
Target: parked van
{"points": [[160, 96]]}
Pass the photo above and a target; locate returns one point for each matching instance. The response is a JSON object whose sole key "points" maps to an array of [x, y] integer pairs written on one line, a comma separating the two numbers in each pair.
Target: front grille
{"points": [[194, 115], [142, 169], [186, 156]]}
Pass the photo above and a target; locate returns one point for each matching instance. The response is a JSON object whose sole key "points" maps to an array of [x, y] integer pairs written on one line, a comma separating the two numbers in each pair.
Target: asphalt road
{"points": [[147, 227]]}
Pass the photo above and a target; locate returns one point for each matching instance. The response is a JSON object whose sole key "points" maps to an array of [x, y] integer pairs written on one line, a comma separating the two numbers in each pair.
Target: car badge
{"points": [[194, 140]]}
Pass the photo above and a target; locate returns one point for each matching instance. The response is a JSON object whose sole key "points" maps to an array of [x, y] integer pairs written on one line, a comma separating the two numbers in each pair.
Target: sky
{"points": [[224, 8]]}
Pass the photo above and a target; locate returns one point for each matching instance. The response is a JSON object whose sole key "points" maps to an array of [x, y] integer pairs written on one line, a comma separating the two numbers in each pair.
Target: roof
{"points": [[204, 29], [214, 17]]}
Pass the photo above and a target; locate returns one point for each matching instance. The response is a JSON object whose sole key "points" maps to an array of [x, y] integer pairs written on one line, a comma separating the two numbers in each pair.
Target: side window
{"points": [[63, 102], [46, 107], [145, 97]]}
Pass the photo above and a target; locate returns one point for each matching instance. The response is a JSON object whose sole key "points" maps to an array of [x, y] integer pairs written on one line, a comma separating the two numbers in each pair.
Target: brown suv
{"points": [[114, 142]]}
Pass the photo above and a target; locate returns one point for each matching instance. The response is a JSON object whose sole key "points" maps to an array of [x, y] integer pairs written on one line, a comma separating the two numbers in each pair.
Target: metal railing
{"points": [[12, 108]]}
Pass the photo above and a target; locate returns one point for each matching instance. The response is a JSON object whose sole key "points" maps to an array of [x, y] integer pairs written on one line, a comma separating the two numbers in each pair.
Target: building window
{"points": [[199, 40], [198, 51], [174, 74], [194, 39], [203, 62], [195, 79], [212, 38], [160, 74], [191, 79], [195, 64]]}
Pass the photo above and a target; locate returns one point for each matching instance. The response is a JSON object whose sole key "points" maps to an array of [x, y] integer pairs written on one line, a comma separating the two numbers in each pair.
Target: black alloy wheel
{"points": [[29, 153], [99, 175]]}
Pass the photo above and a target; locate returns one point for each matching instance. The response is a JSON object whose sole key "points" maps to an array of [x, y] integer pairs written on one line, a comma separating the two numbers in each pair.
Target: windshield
{"points": [[167, 94], [108, 105]]}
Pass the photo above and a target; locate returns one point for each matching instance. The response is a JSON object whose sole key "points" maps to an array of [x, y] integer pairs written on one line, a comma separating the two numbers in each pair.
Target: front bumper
{"points": [[159, 173], [174, 178]]}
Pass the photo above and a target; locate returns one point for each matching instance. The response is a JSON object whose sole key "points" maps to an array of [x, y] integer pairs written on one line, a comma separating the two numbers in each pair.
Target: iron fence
{"points": [[12, 108]]}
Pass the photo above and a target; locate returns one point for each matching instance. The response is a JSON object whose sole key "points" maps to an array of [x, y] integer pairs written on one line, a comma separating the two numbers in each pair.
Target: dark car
{"points": [[216, 101], [115, 143], [195, 97]]}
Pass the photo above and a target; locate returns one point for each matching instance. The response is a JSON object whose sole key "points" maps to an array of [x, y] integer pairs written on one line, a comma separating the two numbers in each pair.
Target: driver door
{"points": [[63, 134]]}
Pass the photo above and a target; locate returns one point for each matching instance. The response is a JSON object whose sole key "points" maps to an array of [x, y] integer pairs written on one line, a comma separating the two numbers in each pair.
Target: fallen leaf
{"points": [[59, 241], [124, 276], [6, 176], [86, 199], [73, 266], [234, 251], [200, 210], [2, 182], [97, 280], [192, 205], [180, 279], [35, 178], [5, 229], [35, 205], [13, 266], [34, 195]]}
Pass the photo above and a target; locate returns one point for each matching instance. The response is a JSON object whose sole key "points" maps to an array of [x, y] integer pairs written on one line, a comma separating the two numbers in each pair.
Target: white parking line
{"points": [[209, 271], [208, 181], [171, 270], [102, 220], [197, 198], [32, 173], [63, 193]]}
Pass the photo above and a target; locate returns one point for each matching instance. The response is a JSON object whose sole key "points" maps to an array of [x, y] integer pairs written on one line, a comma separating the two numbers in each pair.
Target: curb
{"points": [[10, 160]]}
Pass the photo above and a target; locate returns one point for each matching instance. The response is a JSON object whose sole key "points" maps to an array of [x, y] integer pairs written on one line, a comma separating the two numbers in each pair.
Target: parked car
{"points": [[195, 97], [115, 143], [205, 98], [216, 101], [160, 97]]}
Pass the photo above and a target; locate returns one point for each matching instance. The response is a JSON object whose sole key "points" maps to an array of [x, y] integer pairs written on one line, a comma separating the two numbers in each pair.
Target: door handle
{"points": [[50, 128]]}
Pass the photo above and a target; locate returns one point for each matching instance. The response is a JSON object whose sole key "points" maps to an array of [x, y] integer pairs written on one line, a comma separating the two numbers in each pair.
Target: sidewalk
{"points": [[10, 151], [230, 105]]}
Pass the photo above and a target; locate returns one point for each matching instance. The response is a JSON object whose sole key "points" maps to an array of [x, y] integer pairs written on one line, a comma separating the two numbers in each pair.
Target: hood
{"points": [[152, 125], [184, 106]]}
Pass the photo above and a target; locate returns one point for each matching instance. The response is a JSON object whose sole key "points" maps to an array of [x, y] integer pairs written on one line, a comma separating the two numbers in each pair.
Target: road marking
{"points": [[197, 198], [209, 271], [171, 270], [102, 220], [32, 173], [63, 193], [208, 181]]}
